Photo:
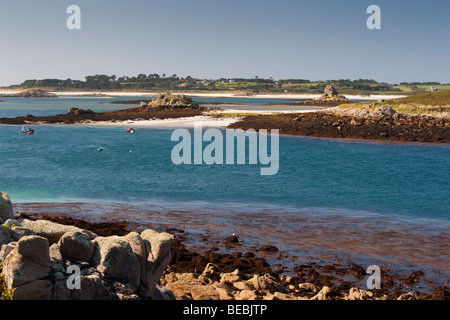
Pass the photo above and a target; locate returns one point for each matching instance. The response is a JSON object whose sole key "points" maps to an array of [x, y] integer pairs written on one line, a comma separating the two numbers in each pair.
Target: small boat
{"points": [[27, 130], [130, 130]]}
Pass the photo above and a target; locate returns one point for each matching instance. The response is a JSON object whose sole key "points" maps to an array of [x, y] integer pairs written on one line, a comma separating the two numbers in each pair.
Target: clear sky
{"points": [[308, 39]]}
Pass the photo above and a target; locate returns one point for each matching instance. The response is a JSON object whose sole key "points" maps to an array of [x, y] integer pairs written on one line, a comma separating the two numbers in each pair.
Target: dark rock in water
{"points": [[232, 239], [441, 293], [358, 271], [77, 112], [268, 248], [35, 94]]}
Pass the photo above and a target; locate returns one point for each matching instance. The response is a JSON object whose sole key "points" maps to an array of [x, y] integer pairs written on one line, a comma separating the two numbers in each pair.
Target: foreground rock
{"points": [[212, 284], [190, 275], [6, 211], [39, 259]]}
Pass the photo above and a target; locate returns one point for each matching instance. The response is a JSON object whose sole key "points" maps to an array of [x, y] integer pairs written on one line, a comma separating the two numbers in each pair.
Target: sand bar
{"points": [[205, 95]]}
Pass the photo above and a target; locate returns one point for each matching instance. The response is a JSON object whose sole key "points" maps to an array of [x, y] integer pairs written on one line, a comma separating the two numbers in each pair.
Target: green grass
{"points": [[423, 103], [230, 115], [440, 98], [5, 293], [439, 87]]}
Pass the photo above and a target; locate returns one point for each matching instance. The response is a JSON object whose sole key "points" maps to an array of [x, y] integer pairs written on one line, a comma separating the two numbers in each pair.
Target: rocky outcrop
{"points": [[78, 112], [6, 211], [35, 94], [212, 284], [41, 260], [330, 91], [170, 101]]}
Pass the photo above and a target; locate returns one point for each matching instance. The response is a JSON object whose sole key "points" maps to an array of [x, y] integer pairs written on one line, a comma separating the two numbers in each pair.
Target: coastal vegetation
{"points": [[230, 115], [170, 100], [5, 293], [161, 83], [424, 103]]}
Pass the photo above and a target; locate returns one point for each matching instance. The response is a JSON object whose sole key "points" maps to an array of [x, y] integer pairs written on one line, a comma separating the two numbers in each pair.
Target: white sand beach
{"points": [[204, 95], [187, 122]]}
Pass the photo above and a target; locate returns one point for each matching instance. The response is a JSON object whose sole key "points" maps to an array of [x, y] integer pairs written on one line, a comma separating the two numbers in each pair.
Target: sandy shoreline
{"points": [[206, 120], [186, 122], [205, 95]]}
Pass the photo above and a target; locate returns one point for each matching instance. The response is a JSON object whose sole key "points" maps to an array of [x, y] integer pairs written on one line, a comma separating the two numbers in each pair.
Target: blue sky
{"points": [[311, 39]]}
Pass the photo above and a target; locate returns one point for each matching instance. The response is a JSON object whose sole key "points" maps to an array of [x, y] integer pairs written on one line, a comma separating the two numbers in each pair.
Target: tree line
{"points": [[155, 81]]}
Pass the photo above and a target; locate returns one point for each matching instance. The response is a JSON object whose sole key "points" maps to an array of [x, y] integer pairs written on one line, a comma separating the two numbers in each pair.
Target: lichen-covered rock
{"points": [[76, 246], [158, 256], [6, 211], [5, 235], [323, 294], [49, 258], [114, 257], [56, 258], [36, 290], [138, 247], [267, 284], [27, 262], [359, 294], [6, 249], [51, 230]]}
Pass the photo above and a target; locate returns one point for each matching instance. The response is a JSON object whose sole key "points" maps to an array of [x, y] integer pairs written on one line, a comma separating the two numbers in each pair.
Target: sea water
{"points": [[62, 163]]}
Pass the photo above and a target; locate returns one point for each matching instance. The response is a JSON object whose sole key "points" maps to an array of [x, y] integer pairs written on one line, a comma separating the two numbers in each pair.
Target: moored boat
{"points": [[27, 130]]}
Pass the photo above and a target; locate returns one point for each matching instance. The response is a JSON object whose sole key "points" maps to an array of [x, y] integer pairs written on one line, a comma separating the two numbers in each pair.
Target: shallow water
{"points": [[15, 107]]}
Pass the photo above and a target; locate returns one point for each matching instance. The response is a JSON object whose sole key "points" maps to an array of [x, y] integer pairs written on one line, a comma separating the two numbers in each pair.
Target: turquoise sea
{"points": [[387, 201]]}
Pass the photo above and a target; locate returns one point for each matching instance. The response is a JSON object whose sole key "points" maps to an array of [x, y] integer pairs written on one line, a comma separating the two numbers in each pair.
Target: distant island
{"points": [[246, 86]]}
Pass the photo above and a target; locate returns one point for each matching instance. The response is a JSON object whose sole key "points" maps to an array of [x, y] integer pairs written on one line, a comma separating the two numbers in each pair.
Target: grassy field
{"points": [[439, 87], [423, 103], [230, 115]]}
